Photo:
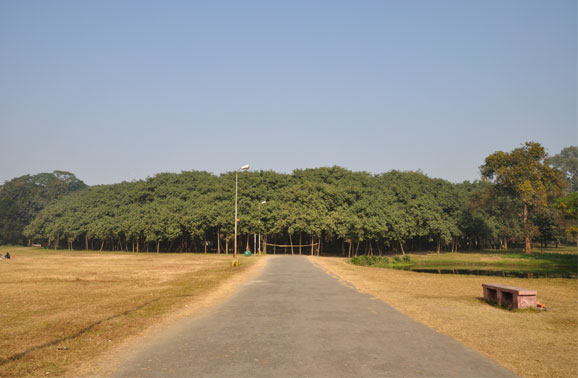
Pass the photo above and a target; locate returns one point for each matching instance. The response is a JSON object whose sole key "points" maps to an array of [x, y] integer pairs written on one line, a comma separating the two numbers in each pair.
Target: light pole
{"points": [[260, 224], [243, 168]]}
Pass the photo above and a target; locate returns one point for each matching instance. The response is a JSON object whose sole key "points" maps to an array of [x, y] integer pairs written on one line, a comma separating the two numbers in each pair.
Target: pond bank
{"points": [[520, 265]]}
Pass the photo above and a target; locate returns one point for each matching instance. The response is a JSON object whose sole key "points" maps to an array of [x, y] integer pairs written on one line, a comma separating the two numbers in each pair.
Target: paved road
{"points": [[294, 320]]}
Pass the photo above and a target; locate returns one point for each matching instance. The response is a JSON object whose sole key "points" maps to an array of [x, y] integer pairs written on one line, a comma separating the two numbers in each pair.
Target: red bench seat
{"points": [[509, 296]]}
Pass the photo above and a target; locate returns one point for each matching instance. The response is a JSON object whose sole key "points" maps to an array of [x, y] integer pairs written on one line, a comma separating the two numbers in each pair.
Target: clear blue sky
{"points": [[121, 90]]}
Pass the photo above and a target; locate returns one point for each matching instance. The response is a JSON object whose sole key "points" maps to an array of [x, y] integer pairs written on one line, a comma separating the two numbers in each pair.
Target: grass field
{"points": [[530, 343], [60, 309]]}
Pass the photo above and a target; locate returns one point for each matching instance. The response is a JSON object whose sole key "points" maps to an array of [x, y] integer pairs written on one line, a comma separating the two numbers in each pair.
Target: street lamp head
{"points": [[244, 168]]}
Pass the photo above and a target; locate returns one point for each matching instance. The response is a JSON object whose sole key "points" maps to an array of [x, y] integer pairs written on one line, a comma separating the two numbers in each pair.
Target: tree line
{"points": [[22, 198], [523, 196]]}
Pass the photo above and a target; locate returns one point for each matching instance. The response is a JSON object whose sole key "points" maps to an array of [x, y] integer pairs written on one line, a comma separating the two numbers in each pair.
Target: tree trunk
{"points": [[101, 245], [158, 246], [300, 241], [349, 252], [401, 246], [291, 241], [439, 244], [528, 247], [227, 245], [218, 241], [312, 243]]}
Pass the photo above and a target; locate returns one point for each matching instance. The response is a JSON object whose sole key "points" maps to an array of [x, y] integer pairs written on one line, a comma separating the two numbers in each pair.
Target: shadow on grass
{"points": [[20, 355], [508, 308]]}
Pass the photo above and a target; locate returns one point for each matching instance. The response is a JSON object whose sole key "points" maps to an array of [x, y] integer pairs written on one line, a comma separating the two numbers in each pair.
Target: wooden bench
{"points": [[509, 296]]}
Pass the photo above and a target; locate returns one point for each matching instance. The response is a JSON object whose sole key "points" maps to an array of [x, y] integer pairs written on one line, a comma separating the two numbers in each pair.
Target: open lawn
{"points": [[530, 343], [59, 309]]}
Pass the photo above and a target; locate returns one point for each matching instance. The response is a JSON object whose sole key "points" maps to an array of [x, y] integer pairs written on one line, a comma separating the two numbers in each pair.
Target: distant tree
{"points": [[569, 207], [524, 175], [567, 162], [23, 197]]}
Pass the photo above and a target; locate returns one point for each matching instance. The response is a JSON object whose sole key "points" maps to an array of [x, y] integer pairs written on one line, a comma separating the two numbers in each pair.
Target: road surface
{"points": [[294, 320]]}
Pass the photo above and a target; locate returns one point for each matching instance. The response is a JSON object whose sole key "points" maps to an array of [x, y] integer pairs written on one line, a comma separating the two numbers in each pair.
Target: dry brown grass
{"points": [[61, 309], [532, 344]]}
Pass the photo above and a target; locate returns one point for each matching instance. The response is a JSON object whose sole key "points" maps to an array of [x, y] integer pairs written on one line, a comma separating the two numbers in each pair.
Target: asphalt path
{"points": [[294, 320]]}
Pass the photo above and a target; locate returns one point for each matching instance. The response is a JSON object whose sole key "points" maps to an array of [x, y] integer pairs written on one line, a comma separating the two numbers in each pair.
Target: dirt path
{"points": [[294, 320]]}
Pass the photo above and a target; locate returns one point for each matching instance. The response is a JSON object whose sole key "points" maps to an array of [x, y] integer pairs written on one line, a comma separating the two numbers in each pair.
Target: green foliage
{"points": [[568, 205], [567, 162], [357, 213], [23, 197], [366, 260], [524, 175]]}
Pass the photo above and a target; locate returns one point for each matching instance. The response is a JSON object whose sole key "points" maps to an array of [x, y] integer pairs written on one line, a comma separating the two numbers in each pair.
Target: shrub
{"points": [[361, 260], [384, 260], [369, 260], [366, 260]]}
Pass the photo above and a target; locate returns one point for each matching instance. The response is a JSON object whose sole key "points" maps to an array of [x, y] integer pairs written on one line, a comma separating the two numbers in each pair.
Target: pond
{"points": [[497, 273]]}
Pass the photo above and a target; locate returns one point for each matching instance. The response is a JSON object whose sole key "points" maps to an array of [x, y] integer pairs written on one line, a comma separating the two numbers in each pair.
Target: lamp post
{"points": [[260, 224], [243, 168]]}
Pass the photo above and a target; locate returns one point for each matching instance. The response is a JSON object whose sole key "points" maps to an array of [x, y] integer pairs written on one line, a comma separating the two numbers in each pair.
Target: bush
{"points": [[406, 258], [369, 260], [360, 260], [366, 260], [397, 259], [384, 260]]}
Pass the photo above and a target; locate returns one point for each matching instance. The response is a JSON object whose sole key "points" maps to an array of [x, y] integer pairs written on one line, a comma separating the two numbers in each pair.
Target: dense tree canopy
{"points": [[567, 162], [569, 208], [316, 207], [322, 210], [23, 197], [524, 174]]}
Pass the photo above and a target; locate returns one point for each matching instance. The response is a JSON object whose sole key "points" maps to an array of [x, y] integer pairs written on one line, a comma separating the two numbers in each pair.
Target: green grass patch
{"points": [[547, 262]]}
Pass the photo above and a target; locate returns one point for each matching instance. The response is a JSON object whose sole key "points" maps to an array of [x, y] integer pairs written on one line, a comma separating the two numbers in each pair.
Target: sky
{"points": [[121, 90]]}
